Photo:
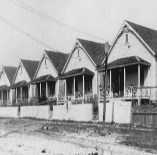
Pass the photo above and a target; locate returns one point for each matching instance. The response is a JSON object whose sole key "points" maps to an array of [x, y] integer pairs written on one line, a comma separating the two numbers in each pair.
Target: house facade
{"points": [[79, 73], [131, 72], [6, 78], [21, 87], [46, 81]]}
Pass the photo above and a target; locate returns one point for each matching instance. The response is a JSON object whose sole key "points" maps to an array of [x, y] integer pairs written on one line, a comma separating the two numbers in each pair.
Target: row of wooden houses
{"points": [[79, 76]]}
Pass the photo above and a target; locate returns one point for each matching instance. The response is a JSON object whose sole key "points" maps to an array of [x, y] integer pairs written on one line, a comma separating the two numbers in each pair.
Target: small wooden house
{"points": [[132, 64], [46, 82], [21, 87], [6, 78], [79, 72]]}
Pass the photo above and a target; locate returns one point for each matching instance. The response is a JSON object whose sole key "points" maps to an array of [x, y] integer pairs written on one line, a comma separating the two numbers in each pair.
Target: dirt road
{"points": [[35, 137]]}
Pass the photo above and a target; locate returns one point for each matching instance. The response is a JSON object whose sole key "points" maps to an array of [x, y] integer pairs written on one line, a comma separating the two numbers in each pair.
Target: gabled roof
{"points": [[30, 66], [148, 35], [4, 87], [95, 50], [58, 59], [76, 72], [20, 84], [127, 61], [43, 78], [10, 72]]}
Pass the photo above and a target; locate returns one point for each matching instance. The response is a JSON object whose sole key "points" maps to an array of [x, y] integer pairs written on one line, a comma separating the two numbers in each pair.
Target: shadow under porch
{"points": [[45, 88]]}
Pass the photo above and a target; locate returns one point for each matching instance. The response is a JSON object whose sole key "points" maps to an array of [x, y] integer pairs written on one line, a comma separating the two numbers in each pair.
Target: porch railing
{"points": [[135, 92], [75, 99], [130, 92]]}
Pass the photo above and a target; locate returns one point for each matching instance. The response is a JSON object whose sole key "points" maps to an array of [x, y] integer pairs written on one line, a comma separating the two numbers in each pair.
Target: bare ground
{"points": [[35, 137]]}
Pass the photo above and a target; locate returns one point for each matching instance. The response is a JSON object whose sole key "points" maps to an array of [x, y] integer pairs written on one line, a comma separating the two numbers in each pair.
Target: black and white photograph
{"points": [[78, 77]]}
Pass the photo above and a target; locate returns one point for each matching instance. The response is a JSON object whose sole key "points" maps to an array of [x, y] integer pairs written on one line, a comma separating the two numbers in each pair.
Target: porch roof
{"points": [[19, 84], [76, 72], [4, 87], [127, 61], [43, 78]]}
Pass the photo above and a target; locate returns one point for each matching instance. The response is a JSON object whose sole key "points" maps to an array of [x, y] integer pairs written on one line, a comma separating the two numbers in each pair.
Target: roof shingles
{"points": [[95, 50], [10, 72], [147, 34], [30, 66], [58, 59]]}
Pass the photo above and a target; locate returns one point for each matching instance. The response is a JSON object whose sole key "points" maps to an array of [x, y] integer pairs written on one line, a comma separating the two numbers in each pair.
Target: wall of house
{"points": [[22, 74], [131, 76], [116, 111], [46, 68], [136, 48], [82, 61], [41, 112], [31, 91], [4, 79], [61, 87], [57, 88], [78, 112]]}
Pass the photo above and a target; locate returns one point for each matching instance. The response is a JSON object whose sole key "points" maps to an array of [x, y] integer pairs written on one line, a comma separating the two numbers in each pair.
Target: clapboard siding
{"points": [[4, 79], [22, 74], [46, 68]]}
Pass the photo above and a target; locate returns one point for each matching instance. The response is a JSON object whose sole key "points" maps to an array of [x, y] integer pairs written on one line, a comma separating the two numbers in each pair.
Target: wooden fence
{"points": [[145, 115]]}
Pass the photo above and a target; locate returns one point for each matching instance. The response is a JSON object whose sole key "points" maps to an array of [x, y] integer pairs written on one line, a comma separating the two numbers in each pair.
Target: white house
{"points": [[22, 90], [6, 77], [132, 64], [46, 82], [79, 72]]}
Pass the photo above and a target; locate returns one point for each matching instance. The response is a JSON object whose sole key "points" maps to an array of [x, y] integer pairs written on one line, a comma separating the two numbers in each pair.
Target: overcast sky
{"points": [[102, 18]]}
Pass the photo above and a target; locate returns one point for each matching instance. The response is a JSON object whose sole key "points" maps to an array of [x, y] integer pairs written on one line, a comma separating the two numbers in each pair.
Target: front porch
{"points": [[44, 88], [78, 86], [20, 92], [127, 78], [4, 95]]}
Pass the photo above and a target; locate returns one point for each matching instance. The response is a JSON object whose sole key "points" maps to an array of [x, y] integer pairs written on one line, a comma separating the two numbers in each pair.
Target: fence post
{"points": [[18, 110]]}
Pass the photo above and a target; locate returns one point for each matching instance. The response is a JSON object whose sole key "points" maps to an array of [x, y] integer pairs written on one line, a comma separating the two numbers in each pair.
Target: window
{"points": [[20, 70], [126, 38], [45, 64], [78, 52]]}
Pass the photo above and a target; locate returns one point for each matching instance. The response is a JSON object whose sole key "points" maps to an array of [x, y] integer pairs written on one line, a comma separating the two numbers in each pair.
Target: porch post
{"points": [[65, 89], [21, 93], [139, 75], [74, 88], [139, 84], [83, 87], [148, 84], [119, 81], [2, 97], [124, 80], [110, 83], [46, 89], [40, 89], [7, 96], [16, 94]]}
